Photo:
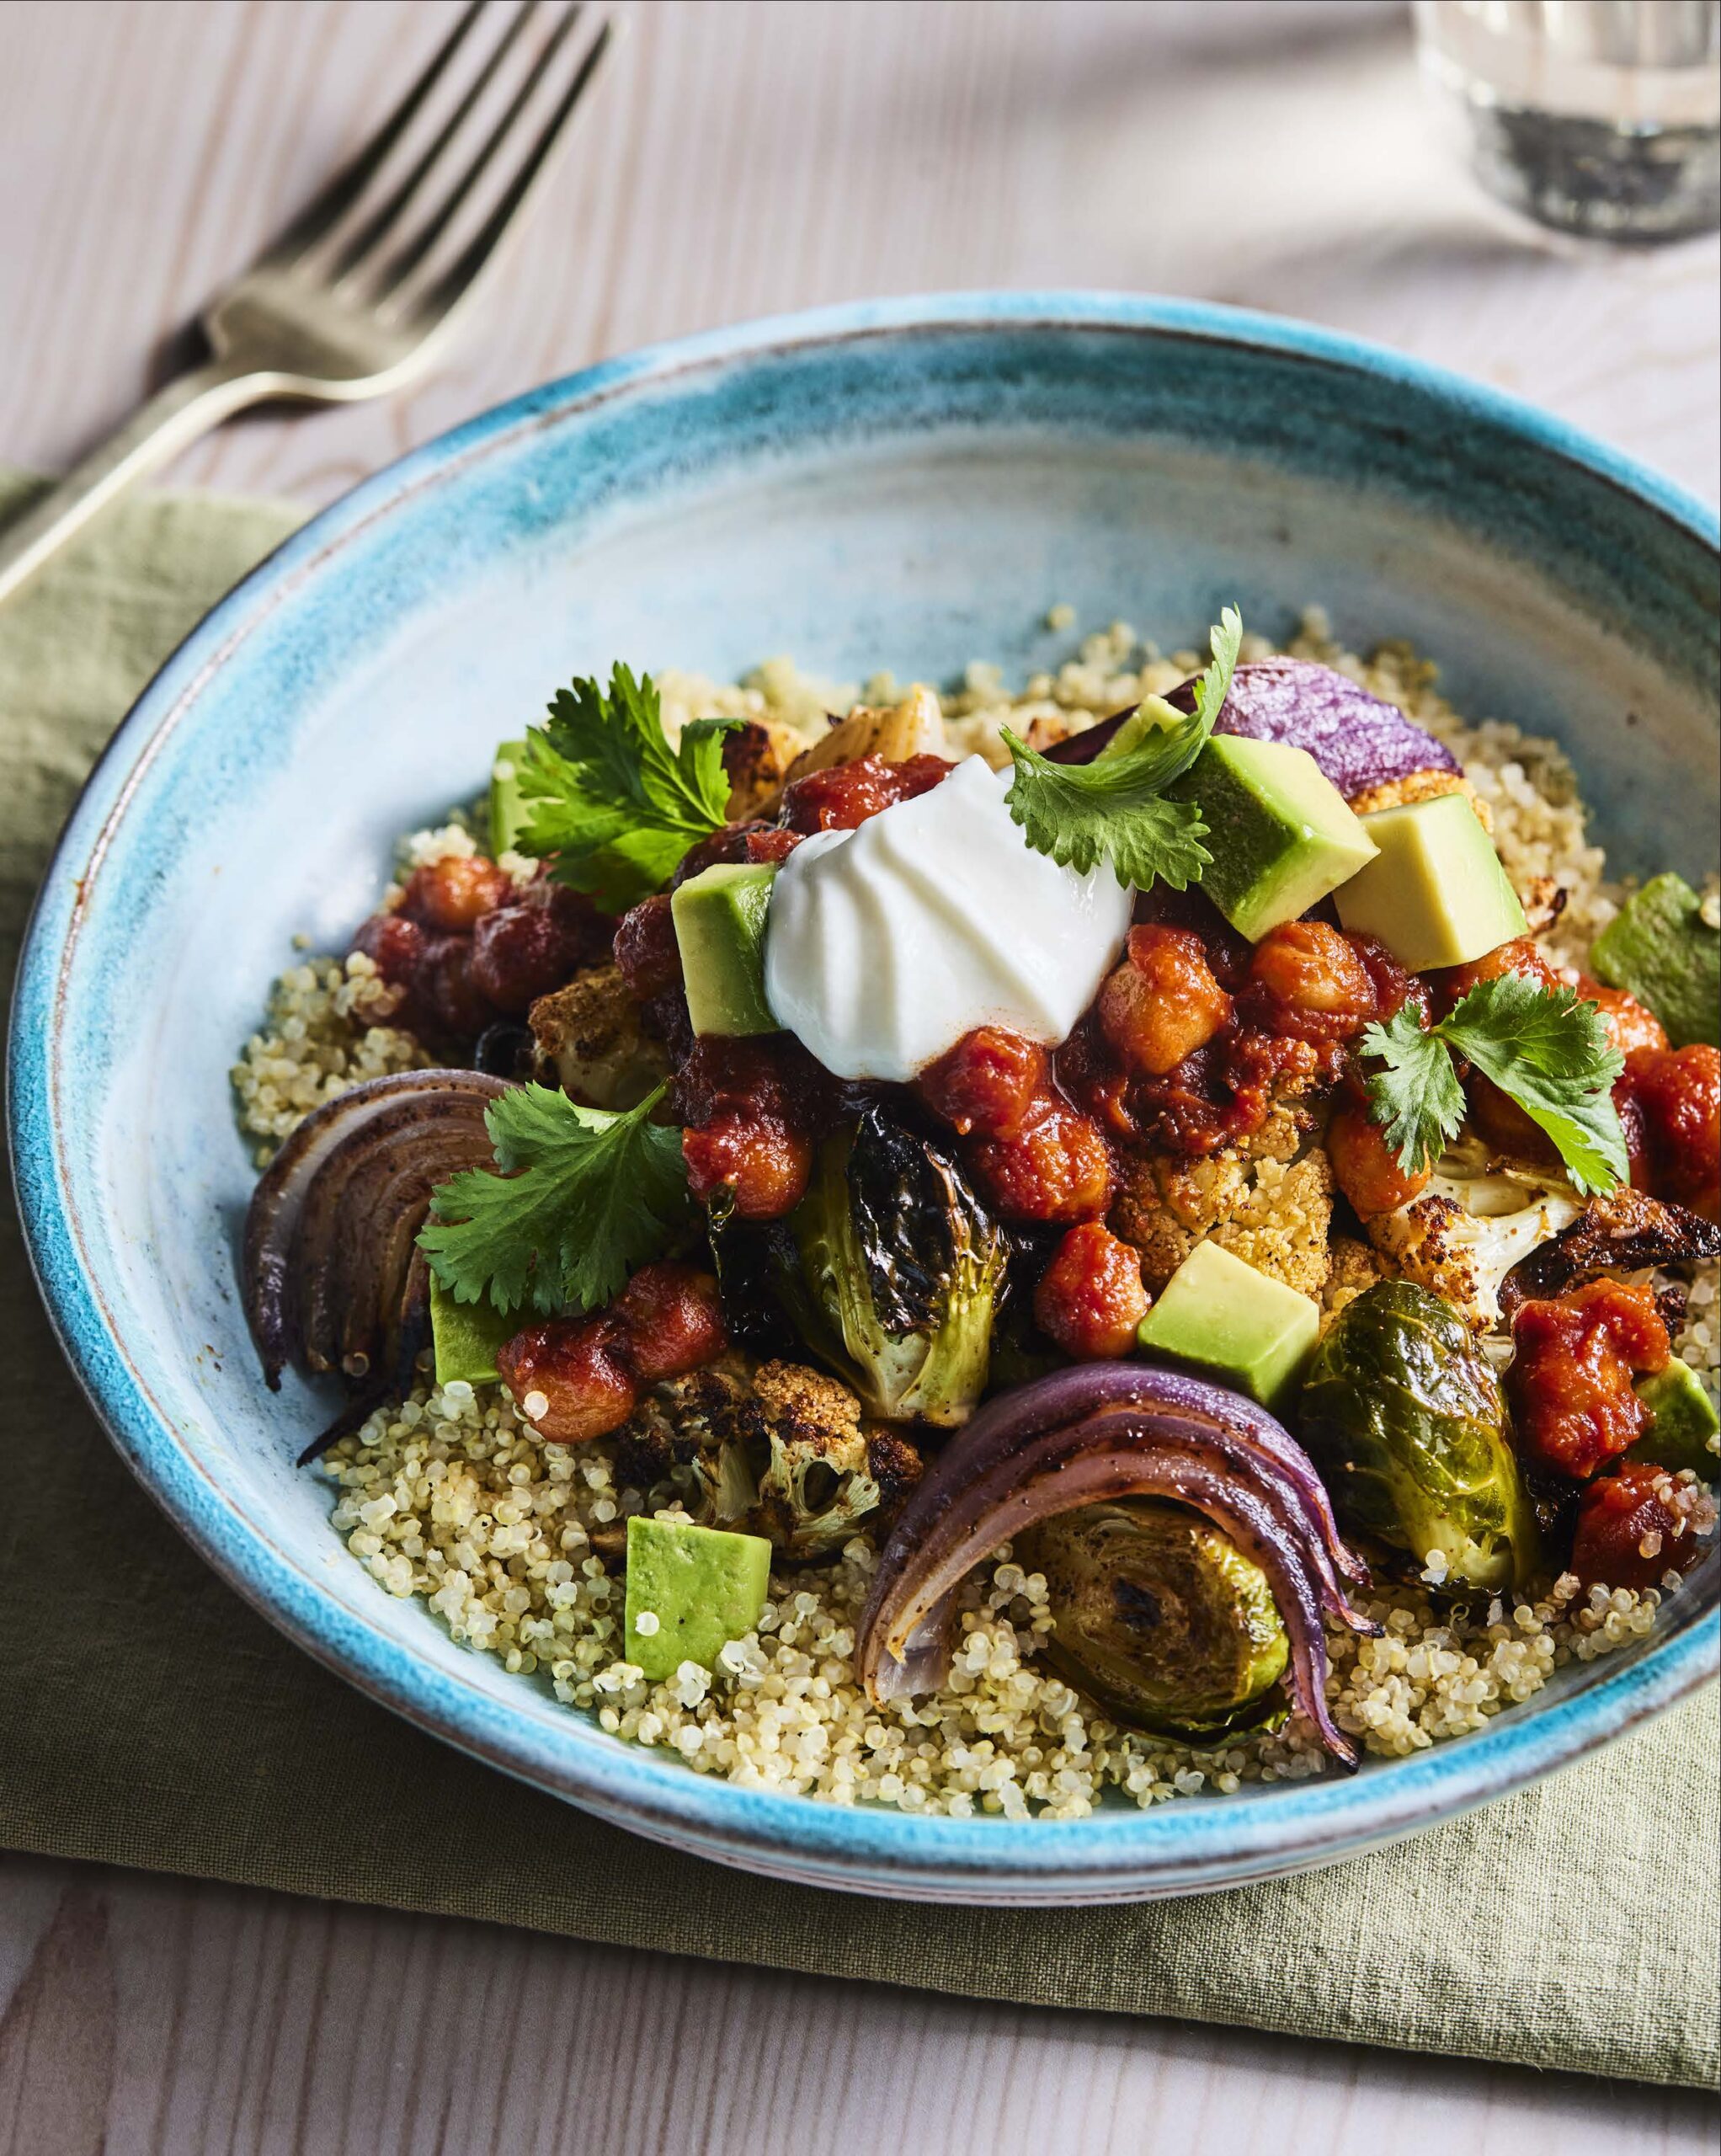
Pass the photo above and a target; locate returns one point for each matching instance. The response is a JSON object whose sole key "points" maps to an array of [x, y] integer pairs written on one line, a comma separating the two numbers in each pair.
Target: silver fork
{"points": [[358, 293]]}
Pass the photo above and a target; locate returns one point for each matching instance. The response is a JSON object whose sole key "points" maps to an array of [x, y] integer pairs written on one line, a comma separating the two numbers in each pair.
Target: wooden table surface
{"points": [[742, 159]]}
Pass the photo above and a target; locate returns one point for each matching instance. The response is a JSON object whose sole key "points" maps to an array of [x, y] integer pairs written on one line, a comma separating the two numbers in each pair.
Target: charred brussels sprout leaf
{"points": [[1406, 1422], [900, 1270], [1160, 1617]]}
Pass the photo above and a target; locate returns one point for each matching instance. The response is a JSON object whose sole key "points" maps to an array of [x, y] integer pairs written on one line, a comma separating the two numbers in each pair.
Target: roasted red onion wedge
{"points": [[334, 1279], [1106, 1430]]}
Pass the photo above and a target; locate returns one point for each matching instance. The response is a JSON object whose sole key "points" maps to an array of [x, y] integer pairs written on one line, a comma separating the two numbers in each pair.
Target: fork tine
{"points": [[452, 284], [407, 259], [326, 208], [358, 249]]}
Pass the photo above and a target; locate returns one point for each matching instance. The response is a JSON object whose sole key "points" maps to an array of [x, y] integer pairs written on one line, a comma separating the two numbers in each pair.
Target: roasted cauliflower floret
{"points": [[1261, 1201], [1474, 1222], [590, 1041], [1421, 785], [781, 1452], [1354, 1270]]}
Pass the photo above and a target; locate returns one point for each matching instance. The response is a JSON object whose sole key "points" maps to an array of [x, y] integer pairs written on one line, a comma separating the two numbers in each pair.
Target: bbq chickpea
{"points": [[1163, 1003], [987, 1083], [456, 892], [1677, 1094], [1057, 1168], [1090, 1298], [671, 1320], [1364, 1165], [569, 1377], [1313, 982]]}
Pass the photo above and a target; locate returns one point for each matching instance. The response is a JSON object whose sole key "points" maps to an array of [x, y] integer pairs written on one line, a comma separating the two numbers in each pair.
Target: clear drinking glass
{"points": [[1601, 117]]}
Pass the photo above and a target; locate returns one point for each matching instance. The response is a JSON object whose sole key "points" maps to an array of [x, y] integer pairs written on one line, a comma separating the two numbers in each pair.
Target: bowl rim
{"points": [[1112, 1854]]}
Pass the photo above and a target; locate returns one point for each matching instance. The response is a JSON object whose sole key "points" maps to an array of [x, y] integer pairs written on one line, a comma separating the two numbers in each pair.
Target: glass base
{"points": [[1602, 182]]}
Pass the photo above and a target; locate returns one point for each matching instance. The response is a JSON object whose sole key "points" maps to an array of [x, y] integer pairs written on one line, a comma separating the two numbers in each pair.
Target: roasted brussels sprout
{"points": [[899, 1272], [1160, 1617], [1406, 1422]]}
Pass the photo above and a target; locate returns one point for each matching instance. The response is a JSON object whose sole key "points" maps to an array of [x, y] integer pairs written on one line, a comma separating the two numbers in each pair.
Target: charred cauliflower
{"points": [[1477, 1218], [590, 1042], [780, 1451], [1269, 1202]]}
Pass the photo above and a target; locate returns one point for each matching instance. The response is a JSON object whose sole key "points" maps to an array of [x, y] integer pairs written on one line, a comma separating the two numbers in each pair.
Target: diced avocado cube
{"points": [[1280, 833], [1435, 893], [1147, 717], [1241, 1326], [466, 1336], [1683, 1430], [507, 816], [720, 917], [689, 1590], [1660, 948]]}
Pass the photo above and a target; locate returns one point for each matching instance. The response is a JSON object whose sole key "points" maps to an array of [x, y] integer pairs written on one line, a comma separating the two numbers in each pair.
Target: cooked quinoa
{"points": [[512, 1541]]}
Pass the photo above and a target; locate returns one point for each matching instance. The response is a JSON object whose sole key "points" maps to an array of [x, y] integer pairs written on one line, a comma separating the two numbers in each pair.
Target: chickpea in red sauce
{"points": [[1163, 1002], [987, 1083], [843, 797], [576, 1379], [1677, 1096], [1570, 1381], [1090, 1298], [1057, 1165], [747, 1124], [1365, 1166]]}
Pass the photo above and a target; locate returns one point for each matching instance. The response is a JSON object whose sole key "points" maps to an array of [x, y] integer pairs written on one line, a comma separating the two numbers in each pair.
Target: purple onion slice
{"points": [[328, 1266], [1101, 1431]]}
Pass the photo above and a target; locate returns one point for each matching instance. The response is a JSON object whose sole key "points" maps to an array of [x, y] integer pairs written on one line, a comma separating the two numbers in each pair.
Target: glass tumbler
{"points": [[1599, 117]]}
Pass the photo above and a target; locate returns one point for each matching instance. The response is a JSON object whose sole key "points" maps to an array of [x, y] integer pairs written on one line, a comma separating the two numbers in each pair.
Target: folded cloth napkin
{"points": [[148, 1717]]}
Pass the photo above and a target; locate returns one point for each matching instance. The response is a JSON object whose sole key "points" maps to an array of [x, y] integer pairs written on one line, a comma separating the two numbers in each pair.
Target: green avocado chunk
{"points": [[508, 817], [692, 1589], [720, 917], [1241, 1326], [466, 1336], [1280, 833], [1685, 1422], [1435, 893], [1660, 948]]}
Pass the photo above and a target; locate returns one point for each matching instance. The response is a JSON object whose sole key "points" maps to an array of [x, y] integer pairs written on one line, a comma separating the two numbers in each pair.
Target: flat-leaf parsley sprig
{"points": [[1543, 1048], [607, 799], [1115, 808], [582, 1197]]}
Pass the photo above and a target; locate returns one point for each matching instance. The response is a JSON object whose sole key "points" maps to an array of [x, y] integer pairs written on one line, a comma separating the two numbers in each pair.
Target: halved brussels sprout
{"points": [[898, 1271], [1160, 1617], [1406, 1422]]}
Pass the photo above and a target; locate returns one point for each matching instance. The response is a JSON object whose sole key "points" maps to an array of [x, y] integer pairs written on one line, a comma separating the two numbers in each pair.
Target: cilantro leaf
{"points": [[607, 799], [1115, 808], [1543, 1048], [581, 1197], [1415, 1093], [1552, 1055]]}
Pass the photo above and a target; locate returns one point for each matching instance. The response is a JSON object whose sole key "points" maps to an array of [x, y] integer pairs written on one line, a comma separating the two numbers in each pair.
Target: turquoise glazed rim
{"points": [[794, 473]]}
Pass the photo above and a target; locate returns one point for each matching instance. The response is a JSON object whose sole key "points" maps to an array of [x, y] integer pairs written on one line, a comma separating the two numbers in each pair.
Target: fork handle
{"points": [[179, 412]]}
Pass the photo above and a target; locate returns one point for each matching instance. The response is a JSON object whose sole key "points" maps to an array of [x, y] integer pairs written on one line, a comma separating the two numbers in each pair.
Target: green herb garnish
{"points": [[1115, 808], [581, 1197], [606, 799], [1543, 1048]]}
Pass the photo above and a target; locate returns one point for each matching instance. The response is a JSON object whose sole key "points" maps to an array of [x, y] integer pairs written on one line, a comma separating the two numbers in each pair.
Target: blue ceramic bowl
{"points": [[906, 485]]}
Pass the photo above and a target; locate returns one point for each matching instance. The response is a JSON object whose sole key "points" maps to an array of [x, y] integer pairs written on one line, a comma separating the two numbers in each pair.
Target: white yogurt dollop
{"points": [[885, 945]]}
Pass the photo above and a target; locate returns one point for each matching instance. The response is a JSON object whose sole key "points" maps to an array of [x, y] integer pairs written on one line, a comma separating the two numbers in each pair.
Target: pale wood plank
{"points": [[140, 2014]]}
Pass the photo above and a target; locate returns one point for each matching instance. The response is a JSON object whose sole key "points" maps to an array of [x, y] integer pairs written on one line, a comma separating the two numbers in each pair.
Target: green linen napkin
{"points": [[148, 1717]]}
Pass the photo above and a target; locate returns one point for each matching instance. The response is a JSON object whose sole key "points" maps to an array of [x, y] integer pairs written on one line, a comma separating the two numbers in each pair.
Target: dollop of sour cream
{"points": [[886, 944]]}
